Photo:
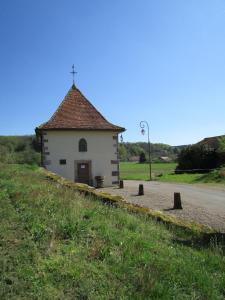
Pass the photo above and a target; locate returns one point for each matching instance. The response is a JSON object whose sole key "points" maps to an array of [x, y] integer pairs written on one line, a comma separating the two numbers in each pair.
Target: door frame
{"points": [[76, 162]]}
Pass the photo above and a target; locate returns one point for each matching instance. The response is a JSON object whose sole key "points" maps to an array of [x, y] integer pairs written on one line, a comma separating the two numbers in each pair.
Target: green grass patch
{"points": [[57, 244], [214, 177], [165, 172], [137, 171], [181, 178]]}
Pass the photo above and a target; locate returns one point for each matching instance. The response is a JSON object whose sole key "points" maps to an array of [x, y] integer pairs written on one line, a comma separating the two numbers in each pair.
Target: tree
{"points": [[35, 144], [198, 157], [21, 146], [122, 152], [221, 144], [3, 154], [142, 158]]}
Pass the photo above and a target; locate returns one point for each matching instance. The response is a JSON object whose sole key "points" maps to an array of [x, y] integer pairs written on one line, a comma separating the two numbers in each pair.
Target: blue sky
{"points": [[161, 61]]}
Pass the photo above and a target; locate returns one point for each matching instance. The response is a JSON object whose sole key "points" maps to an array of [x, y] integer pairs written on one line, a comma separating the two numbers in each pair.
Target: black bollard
{"points": [[141, 190], [121, 184], [177, 201]]}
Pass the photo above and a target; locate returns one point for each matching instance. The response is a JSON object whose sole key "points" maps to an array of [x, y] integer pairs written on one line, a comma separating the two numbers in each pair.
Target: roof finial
{"points": [[73, 73]]}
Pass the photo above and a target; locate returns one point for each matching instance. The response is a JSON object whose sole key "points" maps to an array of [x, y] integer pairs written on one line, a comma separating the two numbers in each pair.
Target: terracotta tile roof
{"points": [[76, 112]]}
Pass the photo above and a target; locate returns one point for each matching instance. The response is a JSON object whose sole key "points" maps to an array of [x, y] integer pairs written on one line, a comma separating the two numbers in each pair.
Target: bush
{"points": [[142, 158], [19, 149], [27, 157], [198, 157], [21, 146]]}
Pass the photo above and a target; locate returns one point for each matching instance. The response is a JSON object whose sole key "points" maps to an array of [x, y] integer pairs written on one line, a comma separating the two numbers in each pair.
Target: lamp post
{"points": [[121, 138], [142, 125]]}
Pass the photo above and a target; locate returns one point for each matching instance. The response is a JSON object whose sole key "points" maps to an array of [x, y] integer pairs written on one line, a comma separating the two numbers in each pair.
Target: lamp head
{"points": [[142, 131]]}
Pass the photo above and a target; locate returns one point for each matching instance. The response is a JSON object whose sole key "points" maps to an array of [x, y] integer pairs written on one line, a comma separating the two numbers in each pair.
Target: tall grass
{"points": [[56, 244]]}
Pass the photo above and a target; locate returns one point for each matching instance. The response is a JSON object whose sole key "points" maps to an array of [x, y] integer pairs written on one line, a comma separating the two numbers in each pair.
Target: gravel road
{"points": [[202, 204]]}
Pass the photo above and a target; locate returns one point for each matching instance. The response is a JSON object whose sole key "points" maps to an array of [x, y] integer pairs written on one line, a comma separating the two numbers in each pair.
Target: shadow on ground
{"points": [[171, 208], [206, 240]]}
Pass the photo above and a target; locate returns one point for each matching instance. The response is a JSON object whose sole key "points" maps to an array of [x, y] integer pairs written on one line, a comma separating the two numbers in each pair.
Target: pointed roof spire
{"points": [[77, 113]]}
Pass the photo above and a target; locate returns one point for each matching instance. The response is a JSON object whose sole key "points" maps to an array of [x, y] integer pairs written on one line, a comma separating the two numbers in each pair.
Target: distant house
{"points": [[78, 143], [134, 158], [164, 159]]}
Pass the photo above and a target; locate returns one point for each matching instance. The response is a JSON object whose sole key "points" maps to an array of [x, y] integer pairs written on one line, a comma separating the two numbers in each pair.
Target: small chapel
{"points": [[79, 144]]}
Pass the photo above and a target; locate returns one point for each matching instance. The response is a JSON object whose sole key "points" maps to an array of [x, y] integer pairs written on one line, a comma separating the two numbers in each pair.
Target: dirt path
{"points": [[205, 205]]}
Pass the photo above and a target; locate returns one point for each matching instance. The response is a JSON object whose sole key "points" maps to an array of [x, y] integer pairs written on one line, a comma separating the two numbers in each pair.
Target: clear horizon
{"points": [[159, 61]]}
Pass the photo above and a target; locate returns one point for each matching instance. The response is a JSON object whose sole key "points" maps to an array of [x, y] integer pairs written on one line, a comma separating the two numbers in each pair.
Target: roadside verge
{"points": [[118, 201]]}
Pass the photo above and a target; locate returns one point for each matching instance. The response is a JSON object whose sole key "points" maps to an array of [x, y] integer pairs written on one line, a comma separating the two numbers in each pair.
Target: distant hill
{"points": [[130, 150]]}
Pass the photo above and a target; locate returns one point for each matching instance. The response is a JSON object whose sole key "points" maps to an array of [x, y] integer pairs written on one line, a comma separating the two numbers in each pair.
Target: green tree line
{"points": [[129, 150], [19, 149], [202, 157]]}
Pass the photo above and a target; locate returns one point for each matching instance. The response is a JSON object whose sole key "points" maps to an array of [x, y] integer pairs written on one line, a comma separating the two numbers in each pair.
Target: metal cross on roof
{"points": [[73, 72]]}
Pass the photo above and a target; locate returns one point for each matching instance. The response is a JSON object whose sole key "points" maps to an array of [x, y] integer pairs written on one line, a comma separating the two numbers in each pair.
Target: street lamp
{"points": [[121, 138], [142, 125]]}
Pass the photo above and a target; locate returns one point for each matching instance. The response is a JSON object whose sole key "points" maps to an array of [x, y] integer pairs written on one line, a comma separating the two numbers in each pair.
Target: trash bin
{"points": [[99, 181]]}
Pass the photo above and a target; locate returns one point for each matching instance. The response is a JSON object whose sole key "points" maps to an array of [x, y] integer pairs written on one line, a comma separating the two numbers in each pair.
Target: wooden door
{"points": [[83, 173]]}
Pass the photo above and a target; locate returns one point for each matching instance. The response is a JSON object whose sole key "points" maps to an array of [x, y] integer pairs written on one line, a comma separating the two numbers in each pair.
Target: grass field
{"points": [[136, 171], [56, 244]]}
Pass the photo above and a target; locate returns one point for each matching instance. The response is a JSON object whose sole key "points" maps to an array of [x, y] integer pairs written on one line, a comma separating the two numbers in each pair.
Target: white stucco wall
{"points": [[101, 150]]}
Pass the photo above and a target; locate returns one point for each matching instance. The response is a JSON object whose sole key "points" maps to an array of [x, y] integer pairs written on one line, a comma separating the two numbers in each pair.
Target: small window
{"points": [[82, 145], [62, 161]]}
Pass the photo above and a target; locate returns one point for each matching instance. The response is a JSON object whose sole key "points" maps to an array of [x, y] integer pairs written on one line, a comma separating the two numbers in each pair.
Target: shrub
{"points": [[27, 157], [142, 158], [19, 149], [21, 146], [198, 157]]}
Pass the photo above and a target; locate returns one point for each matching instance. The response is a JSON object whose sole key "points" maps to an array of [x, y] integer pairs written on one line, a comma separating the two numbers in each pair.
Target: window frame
{"points": [[82, 146]]}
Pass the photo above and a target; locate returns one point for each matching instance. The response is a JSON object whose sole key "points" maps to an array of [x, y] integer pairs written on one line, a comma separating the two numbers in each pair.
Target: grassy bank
{"points": [[56, 244], [164, 172], [214, 177]]}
